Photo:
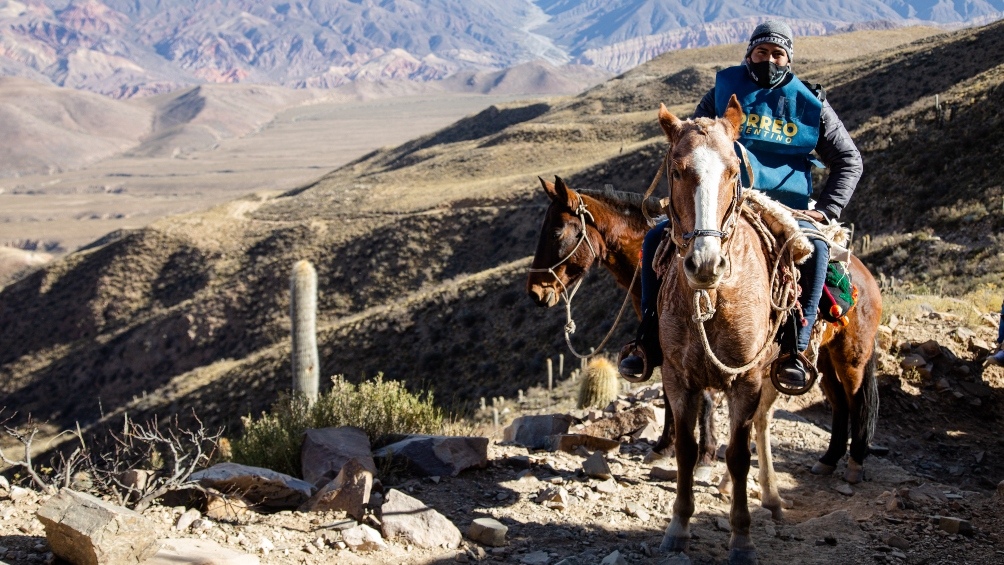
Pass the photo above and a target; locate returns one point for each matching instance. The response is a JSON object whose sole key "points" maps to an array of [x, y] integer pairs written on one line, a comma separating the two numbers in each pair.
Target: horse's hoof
{"points": [[742, 557], [777, 510], [654, 456], [702, 475], [676, 559], [821, 468], [675, 544], [855, 473]]}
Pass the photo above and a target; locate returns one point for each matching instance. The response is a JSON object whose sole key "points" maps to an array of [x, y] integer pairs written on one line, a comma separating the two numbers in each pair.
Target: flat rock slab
{"points": [[256, 485], [534, 432], [438, 456], [488, 531], [408, 518], [325, 450], [85, 530], [188, 551], [571, 442]]}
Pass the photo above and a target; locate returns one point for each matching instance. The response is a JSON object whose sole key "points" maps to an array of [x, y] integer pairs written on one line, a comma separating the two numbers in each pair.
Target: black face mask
{"points": [[767, 74]]}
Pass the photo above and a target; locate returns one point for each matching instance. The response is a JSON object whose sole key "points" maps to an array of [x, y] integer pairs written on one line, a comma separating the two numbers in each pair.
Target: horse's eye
{"points": [[676, 175]]}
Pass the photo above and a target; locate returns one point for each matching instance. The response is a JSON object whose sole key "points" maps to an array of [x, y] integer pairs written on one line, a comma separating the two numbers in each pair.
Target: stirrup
{"points": [[635, 348], [809, 366]]}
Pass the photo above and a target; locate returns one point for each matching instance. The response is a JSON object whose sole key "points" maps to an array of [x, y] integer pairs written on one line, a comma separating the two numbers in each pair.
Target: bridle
{"points": [[683, 240], [582, 212]]}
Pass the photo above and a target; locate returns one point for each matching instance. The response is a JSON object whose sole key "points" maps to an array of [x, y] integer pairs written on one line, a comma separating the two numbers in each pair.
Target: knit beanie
{"points": [[772, 31]]}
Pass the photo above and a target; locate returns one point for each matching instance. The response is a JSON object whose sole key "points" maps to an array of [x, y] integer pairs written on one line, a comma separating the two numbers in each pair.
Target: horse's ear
{"points": [[735, 116], [549, 189], [670, 124], [564, 194]]}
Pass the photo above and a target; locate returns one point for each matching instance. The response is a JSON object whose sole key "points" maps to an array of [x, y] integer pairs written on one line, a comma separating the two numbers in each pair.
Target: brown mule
{"points": [[719, 281], [615, 227]]}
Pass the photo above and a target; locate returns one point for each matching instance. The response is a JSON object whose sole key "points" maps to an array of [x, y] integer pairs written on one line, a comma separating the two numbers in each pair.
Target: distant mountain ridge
{"points": [[124, 48]]}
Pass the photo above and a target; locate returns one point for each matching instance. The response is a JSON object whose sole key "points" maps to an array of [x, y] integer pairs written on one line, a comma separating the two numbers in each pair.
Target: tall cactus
{"points": [[303, 312]]}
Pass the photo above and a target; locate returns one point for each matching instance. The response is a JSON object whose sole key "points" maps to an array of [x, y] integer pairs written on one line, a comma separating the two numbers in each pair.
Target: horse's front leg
{"points": [[770, 498], [744, 398], [685, 409]]}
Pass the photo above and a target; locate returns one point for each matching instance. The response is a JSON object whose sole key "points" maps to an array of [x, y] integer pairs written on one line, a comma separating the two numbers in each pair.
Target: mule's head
{"points": [[703, 170], [568, 245]]}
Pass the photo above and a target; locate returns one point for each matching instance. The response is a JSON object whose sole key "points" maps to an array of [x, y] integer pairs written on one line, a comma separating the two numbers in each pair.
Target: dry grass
{"points": [[971, 308]]}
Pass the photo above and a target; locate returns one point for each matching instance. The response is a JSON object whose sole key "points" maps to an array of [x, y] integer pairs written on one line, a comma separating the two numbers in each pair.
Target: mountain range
{"points": [[124, 48]]}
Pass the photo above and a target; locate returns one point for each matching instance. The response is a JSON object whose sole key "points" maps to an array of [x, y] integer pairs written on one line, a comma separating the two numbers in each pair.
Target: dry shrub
{"points": [[600, 385], [381, 408]]}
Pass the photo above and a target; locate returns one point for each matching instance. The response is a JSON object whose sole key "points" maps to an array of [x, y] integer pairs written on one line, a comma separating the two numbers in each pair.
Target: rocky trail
{"points": [[930, 493]]}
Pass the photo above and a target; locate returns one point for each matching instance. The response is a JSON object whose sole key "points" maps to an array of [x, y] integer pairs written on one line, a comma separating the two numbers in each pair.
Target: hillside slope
{"points": [[421, 249]]}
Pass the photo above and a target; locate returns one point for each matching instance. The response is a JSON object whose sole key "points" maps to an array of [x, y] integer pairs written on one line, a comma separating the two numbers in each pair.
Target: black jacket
{"points": [[835, 148]]}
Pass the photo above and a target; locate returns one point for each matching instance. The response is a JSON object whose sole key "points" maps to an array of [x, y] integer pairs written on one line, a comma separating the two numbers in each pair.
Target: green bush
{"points": [[381, 408]]}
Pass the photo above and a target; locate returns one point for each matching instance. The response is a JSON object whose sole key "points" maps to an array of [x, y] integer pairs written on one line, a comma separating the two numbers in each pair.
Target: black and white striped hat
{"points": [[772, 31]]}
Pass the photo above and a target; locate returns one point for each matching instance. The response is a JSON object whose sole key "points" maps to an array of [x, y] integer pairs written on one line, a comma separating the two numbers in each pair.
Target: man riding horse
{"points": [[786, 119]]}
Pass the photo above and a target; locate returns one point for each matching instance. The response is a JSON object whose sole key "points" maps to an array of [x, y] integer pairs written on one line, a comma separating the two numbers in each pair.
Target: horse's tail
{"points": [[868, 409]]}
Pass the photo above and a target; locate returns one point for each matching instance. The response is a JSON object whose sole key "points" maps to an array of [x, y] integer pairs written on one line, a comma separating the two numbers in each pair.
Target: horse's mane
{"points": [[629, 202]]}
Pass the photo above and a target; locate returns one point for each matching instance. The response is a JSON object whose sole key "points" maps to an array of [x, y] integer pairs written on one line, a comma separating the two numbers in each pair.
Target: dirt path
{"points": [[944, 459]]}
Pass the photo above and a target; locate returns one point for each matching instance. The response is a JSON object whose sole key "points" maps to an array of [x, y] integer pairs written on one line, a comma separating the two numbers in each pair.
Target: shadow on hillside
{"points": [[887, 85]]}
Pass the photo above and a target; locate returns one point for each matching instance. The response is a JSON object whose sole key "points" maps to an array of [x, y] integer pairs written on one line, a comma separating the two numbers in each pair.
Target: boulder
{"points": [[363, 538], [649, 432], [438, 456], [408, 518], [622, 423], [255, 485], [85, 530], [198, 552], [912, 361], [325, 450], [349, 492], [488, 531], [534, 432], [595, 466]]}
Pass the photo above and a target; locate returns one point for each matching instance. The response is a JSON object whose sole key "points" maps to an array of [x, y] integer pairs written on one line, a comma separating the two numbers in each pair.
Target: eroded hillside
{"points": [[422, 249]]}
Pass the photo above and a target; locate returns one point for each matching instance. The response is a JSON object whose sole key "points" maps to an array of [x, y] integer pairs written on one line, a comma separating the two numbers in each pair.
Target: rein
{"points": [[782, 299], [582, 212]]}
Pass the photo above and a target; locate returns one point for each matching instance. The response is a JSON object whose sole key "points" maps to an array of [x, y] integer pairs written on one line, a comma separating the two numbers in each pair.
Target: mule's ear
{"points": [[549, 188], [734, 115], [565, 194], [670, 124]]}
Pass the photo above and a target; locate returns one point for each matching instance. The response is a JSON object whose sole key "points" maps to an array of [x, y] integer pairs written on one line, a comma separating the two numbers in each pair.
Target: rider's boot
{"points": [[640, 357], [792, 373]]}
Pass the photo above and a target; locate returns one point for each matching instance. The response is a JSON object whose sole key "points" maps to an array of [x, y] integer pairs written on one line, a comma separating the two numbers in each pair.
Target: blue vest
{"points": [[779, 131]]}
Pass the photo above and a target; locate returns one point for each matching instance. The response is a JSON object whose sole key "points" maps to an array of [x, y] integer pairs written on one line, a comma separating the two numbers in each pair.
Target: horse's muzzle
{"points": [[704, 268], [543, 296]]}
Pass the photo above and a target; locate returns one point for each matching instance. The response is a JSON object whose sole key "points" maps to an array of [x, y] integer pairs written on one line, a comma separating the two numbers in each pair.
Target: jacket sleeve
{"points": [[706, 108], [837, 151]]}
